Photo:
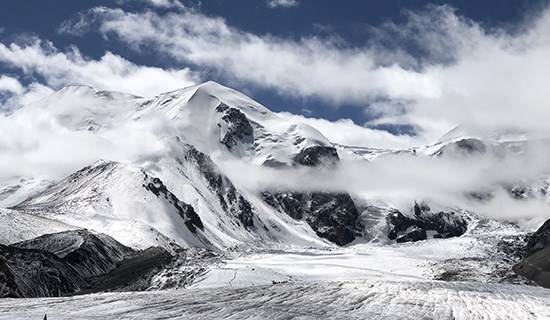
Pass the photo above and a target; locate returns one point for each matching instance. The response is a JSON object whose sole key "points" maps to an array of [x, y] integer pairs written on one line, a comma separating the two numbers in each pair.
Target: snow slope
{"points": [[119, 200]]}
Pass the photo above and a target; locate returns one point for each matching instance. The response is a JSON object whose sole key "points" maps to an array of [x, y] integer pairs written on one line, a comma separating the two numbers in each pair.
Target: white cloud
{"points": [[346, 132], [10, 84], [309, 67], [110, 72], [281, 3], [452, 70], [58, 69]]}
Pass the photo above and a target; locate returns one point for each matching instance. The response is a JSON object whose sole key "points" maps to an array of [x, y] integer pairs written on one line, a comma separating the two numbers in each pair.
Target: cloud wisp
{"points": [[282, 3]]}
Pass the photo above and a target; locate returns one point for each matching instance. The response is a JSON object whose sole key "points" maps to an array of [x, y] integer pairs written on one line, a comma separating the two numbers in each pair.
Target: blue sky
{"points": [[378, 63]]}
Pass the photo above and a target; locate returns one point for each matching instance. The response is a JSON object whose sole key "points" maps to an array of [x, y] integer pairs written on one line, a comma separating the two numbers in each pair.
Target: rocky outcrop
{"points": [[234, 127], [538, 240], [415, 227], [76, 261], [91, 254], [186, 211], [332, 216], [229, 198], [316, 156], [36, 273], [535, 265]]}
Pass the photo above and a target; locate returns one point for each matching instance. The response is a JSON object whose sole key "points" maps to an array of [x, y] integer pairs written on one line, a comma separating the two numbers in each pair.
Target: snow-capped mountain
{"points": [[176, 192], [170, 172]]}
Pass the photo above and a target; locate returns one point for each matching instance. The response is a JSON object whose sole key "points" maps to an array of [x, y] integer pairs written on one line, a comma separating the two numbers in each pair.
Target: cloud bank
{"points": [[446, 68]]}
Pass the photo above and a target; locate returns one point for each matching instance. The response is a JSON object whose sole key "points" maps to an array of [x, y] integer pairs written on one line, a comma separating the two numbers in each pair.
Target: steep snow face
{"points": [[211, 116], [232, 217], [122, 201]]}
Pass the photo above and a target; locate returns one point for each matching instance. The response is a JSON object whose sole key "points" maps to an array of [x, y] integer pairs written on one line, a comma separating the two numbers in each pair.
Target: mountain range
{"points": [[151, 193]]}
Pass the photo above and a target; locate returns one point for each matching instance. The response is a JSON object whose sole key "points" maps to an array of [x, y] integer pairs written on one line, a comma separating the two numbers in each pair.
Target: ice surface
{"points": [[367, 299]]}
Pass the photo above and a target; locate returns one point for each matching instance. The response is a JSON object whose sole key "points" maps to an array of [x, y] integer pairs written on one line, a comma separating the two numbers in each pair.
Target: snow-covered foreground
{"points": [[363, 281], [369, 299]]}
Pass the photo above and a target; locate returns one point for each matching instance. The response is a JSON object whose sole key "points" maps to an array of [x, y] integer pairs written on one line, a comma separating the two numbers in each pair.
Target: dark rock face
{"points": [[239, 129], [186, 211], [36, 273], [413, 235], [331, 216], [315, 156], [445, 224], [538, 240], [536, 258], [90, 254], [228, 196], [536, 267], [293, 204], [75, 261]]}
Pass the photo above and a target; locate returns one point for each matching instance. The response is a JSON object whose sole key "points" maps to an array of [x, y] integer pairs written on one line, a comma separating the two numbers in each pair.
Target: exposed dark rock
{"points": [[538, 240], [186, 211], [536, 267], [229, 198], [74, 262], [293, 204], [238, 128], [315, 156], [397, 223], [90, 254], [332, 216], [132, 274], [445, 224], [37, 273], [413, 235]]}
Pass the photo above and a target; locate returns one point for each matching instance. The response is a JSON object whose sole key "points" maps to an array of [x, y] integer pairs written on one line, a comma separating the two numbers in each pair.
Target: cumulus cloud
{"points": [[10, 84], [447, 68], [281, 3], [57, 69]]}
